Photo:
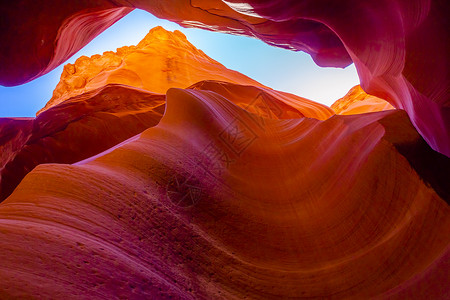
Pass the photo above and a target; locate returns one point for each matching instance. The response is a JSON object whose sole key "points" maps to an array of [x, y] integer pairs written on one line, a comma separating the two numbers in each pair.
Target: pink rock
{"points": [[400, 47]]}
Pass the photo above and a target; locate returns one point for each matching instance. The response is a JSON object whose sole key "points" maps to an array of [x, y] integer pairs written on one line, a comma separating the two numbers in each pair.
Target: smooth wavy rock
{"points": [[94, 121], [399, 47], [266, 102], [162, 60], [38, 37], [217, 202], [356, 101], [79, 128]]}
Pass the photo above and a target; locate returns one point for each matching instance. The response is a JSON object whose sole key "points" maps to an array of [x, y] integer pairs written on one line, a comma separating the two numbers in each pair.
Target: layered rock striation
{"points": [[81, 121], [223, 188], [400, 48], [218, 201], [90, 123]]}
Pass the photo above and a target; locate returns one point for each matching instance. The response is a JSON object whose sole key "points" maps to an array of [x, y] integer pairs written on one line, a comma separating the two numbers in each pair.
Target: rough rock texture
{"points": [[400, 47], [82, 126], [162, 60], [216, 202], [356, 101]]}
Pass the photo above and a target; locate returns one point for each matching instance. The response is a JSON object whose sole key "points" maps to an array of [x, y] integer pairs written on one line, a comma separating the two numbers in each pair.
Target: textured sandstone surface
{"points": [[399, 47], [110, 108], [87, 124], [225, 189], [217, 202], [162, 60], [356, 101]]}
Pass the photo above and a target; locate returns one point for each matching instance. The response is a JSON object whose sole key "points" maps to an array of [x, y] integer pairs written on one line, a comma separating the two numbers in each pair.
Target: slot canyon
{"points": [[156, 172]]}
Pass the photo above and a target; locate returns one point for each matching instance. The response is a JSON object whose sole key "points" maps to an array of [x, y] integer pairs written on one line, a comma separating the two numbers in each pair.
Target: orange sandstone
{"points": [[219, 202], [235, 193], [162, 60], [356, 101]]}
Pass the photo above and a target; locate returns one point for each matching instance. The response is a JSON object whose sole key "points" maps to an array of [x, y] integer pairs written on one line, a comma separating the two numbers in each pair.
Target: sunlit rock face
{"points": [[356, 101], [162, 60], [399, 47], [217, 201]]}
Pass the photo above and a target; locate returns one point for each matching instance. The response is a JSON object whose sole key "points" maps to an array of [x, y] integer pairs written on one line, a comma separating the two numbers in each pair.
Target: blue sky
{"points": [[281, 69]]}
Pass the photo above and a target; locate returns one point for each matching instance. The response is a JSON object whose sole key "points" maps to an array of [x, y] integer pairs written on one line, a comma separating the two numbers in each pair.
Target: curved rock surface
{"points": [[356, 101], [162, 60], [400, 47], [238, 191], [87, 124], [37, 37], [266, 102], [79, 128], [217, 202]]}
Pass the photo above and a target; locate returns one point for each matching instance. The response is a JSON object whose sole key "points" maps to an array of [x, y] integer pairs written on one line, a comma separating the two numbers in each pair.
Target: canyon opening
{"points": [[158, 170]]}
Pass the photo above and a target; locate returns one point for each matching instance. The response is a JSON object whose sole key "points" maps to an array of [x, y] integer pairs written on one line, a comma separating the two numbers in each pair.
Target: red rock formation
{"points": [[162, 60], [82, 126], [239, 191], [47, 35], [217, 202], [400, 47], [356, 101], [90, 123]]}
